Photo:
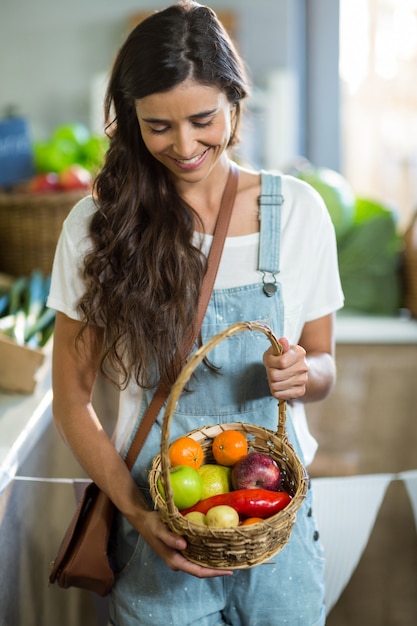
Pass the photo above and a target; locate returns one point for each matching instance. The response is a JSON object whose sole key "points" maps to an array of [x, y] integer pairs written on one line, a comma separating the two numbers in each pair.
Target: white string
{"points": [[63, 481]]}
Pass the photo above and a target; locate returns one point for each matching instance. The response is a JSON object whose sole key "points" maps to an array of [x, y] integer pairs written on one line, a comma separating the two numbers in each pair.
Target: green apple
{"points": [[74, 177], [186, 485], [216, 479], [222, 516]]}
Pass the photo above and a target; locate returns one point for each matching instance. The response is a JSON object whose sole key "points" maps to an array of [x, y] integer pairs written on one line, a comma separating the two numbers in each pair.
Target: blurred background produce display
{"points": [[24, 316], [370, 247], [63, 167], [68, 159], [39, 187]]}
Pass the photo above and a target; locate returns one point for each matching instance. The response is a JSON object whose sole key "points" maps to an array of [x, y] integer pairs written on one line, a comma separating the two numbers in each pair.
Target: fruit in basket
{"points": [[249, 521], [186, 485], [247, 502], [43, 183], [229, 447], [74, 177], [216, 479], [195, 517], [255, 470], [185, 451], [222, 516]]}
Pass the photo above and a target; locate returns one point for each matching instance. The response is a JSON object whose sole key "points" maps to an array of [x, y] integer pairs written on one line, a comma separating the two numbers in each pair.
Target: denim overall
{"points": [[288, 590]]}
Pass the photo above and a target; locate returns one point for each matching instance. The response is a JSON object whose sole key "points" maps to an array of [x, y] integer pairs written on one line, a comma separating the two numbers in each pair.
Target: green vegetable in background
{"points": [[335, 190], [369, 246], [369, 260], [24, 315], [70, 144]]}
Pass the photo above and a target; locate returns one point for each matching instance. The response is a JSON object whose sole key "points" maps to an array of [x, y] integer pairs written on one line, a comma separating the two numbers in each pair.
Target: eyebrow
{"points": [[156, 120]]}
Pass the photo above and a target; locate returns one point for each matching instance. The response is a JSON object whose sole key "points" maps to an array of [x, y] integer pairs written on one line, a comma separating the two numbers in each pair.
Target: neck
{"points": [[205, 197]]}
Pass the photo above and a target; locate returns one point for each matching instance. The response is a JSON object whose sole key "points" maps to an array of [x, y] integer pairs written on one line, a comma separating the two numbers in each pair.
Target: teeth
{"points": [[190, 161]]}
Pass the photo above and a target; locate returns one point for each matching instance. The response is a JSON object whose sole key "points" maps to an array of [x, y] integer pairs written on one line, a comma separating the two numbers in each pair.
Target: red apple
{"points": [[74, 177], [256, 470], [42, 183]]}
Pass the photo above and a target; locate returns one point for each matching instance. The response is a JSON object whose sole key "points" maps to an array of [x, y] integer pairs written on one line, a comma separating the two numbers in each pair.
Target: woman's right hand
{"points": [[168, 546]]}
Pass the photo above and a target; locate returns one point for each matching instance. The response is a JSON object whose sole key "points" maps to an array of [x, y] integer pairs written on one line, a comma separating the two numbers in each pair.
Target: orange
{"points": [[185, 451], [229, 447], [251, 520]]}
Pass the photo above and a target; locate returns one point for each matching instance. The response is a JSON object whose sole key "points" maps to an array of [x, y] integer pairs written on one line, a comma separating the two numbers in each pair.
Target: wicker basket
{"points": [[30, 225], [245, 546], [410, 267]]}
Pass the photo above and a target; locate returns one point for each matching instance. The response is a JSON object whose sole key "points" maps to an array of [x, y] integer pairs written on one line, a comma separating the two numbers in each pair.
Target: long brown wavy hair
{"points": [[143, 274]]}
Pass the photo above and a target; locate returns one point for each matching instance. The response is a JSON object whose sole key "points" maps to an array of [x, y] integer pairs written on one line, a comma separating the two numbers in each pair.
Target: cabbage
{"points": [[369, 247], [369, 260], [336, 193]]}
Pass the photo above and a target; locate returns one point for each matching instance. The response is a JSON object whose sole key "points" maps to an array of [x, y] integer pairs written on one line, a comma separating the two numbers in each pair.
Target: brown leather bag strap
{"points": [[213, 261]]}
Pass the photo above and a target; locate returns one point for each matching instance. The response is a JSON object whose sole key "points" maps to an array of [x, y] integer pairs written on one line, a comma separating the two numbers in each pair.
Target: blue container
{"points": [[16, 155]]}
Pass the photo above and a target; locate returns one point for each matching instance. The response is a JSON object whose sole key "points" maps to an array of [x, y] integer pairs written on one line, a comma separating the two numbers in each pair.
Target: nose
{"points": [[184, 142]]}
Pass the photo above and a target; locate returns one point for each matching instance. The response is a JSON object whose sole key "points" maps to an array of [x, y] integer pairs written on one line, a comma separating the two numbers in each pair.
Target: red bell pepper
{"points": [[247, 502]]}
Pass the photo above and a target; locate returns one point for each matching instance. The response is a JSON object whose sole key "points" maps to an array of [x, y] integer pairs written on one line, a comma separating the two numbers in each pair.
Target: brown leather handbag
{"points": [[82, 560]]}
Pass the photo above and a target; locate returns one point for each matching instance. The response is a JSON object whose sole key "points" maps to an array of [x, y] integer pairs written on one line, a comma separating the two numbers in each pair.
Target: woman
{"points": [[126, 281]]}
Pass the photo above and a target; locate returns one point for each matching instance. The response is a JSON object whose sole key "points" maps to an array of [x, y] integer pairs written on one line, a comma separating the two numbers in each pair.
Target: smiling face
{"points": [[187, 129]]}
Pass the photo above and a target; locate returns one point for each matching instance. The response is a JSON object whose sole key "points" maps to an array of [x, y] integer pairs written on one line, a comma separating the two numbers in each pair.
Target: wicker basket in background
{"points": [[410, 267], [244, 546], [30, 225]]}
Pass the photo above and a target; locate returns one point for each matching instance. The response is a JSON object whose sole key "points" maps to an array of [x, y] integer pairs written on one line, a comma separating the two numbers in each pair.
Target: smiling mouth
{"points": [[192, 160]]}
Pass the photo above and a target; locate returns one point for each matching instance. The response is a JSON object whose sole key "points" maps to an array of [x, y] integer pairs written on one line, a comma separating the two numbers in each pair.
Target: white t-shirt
{"points": [[308, 276]]}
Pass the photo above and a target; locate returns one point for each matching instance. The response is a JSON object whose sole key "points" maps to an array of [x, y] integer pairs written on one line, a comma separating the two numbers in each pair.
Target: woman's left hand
{"points": [[288, 373], [306, 371]]}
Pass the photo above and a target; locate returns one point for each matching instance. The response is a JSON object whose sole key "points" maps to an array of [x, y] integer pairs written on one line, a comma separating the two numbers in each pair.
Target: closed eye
{"points": [[204, 119], [203, 124], [159, 131], [164, 129]]}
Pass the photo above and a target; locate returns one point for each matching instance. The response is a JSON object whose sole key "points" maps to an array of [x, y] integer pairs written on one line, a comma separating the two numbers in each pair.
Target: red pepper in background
{"points": [[247, 502]]}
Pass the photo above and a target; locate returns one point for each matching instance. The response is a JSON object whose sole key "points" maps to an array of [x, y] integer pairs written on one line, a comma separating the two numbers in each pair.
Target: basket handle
{"points": [[185, 376]]}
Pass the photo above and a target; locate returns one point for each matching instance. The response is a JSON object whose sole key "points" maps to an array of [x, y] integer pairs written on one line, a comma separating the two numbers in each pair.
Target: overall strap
{"points": [[270, 202]]}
